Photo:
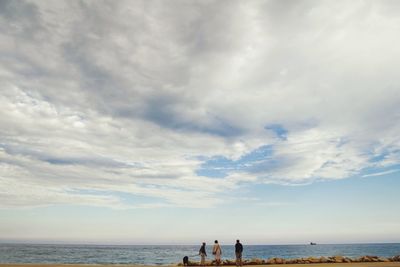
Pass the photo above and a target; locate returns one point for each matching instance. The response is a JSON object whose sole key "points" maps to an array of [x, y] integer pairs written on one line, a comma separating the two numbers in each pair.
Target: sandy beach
{"points": [[358, 264]]}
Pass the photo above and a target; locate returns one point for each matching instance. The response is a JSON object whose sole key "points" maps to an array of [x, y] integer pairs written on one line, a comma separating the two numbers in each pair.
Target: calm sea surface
{"points": [[159, 255]]}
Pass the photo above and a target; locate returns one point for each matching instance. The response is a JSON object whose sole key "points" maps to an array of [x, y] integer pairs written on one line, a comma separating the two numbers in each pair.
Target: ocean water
{"points": [[161, 255]]}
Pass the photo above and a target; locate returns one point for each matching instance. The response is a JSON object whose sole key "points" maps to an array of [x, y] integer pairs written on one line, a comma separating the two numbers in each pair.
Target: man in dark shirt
{"points": [[238, 253], [203, 254]]}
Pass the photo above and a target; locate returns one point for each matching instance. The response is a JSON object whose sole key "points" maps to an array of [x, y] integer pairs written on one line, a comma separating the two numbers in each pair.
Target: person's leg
{"points": [[239, 259]]}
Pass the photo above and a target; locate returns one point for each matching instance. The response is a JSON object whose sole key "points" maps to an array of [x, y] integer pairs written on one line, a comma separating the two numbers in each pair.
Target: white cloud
{"points": [[380, 173], [131, 97]]}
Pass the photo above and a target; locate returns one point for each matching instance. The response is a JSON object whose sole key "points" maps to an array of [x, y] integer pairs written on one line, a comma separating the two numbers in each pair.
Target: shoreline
{"points": [[335, 261], [353, 264], [296, 261]]}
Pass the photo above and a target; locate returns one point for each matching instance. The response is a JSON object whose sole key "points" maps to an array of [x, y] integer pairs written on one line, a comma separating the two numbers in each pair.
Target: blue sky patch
{"points": [[220, 166], [278, 129]]}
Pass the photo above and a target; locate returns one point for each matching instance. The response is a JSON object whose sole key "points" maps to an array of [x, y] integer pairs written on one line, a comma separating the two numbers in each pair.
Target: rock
{"points": [[368, 258], [290, 261], [347, 260], [313, 260], [309, 260], [359, 259], [331, 259], [383, 259], [271, 261], [303, 261], [364, 259], [258, 261], [280, 261], [255, 262], [323, 260], [276, 261], [395, 258], [338, 259], [228, 262]]}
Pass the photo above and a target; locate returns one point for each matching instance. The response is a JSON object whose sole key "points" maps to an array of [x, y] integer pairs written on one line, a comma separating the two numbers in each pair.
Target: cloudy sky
{"points": [[182, 121]]}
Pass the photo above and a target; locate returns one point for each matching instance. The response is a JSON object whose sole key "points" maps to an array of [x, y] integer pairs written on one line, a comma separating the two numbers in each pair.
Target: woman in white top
{"points": [[217, 252]]}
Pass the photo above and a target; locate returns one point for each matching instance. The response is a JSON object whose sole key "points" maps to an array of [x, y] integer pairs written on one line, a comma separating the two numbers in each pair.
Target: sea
{"points": [[167, 254]]}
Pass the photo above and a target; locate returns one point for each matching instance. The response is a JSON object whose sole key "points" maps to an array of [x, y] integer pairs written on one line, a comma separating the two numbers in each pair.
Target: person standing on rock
{"points": [[203, 254], [238, 253], [217, 252]]}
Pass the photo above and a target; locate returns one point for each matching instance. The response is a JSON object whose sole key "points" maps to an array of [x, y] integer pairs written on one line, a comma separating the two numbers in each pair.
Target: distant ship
{"points": [[312, 243]]}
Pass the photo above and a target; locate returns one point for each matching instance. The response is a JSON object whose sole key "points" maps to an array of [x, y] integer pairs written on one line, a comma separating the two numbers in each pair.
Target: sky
{"points": [[177, 122]]}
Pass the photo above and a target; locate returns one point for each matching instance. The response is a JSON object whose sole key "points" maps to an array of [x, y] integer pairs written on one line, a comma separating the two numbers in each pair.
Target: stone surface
{"points": [[395, 258], [309, 260]]}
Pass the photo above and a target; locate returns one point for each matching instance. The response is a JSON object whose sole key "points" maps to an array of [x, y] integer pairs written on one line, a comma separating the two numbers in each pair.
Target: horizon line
{"points": [[13, 242]]}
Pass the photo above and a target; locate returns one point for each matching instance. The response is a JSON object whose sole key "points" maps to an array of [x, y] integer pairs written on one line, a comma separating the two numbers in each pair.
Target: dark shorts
{"points": [[238, 255]]}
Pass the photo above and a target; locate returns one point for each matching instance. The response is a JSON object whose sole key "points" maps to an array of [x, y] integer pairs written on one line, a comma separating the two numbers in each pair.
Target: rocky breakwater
{"points": [[309, 260]]}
